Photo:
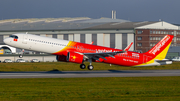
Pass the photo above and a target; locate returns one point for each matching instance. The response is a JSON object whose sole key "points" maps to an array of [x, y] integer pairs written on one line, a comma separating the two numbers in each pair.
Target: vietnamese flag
{"points": [[15, 40]]}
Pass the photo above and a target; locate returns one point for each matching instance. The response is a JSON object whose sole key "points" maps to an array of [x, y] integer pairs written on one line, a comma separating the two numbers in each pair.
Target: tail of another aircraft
{"points": [[160, 50]]}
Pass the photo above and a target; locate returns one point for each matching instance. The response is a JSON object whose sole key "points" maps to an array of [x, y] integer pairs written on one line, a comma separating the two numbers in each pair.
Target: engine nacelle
{"points": [[61, 58], [75, 57]]}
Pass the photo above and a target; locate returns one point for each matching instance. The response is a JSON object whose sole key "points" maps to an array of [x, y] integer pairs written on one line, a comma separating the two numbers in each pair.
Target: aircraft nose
{"points": [[6, 41]]}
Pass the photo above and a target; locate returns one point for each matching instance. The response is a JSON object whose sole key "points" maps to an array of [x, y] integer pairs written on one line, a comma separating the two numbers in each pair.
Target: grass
{"points": [[96, 89], [66, 66], [80, 89]]}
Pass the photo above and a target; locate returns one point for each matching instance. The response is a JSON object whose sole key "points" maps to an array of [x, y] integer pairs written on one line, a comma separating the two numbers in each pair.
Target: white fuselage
{"points": [[37, 43]]}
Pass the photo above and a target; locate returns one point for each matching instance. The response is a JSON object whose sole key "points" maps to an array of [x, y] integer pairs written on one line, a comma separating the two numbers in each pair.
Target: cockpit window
{"points": [[13, 36]]}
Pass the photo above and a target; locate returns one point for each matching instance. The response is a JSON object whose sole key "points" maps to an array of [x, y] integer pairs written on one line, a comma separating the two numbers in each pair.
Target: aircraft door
{"points": [[25, 38], [145, 58]]}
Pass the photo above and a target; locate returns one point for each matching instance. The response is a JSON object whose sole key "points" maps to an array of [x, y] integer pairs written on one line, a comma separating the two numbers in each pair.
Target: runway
{"points": [[85, 74]]}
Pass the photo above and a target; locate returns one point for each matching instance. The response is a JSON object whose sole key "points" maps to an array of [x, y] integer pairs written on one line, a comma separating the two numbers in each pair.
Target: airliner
{"points": [[76, 52]]}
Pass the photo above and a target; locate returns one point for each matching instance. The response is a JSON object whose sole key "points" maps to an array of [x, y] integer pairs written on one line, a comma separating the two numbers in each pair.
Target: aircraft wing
{"points": [[96, 56]]}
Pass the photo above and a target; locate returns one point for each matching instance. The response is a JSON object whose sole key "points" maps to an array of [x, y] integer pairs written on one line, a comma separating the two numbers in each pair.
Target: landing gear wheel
{"points": [[82, 66], [90, 67], [20, 56]]}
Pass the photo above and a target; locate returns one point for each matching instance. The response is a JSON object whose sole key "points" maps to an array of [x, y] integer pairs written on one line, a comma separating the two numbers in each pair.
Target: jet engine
{"points": [[75, 57], [61, 58]]}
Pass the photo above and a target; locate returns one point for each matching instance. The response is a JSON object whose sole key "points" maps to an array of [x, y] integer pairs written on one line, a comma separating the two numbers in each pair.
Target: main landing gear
{"points": [[83, 66], [90, 67]]}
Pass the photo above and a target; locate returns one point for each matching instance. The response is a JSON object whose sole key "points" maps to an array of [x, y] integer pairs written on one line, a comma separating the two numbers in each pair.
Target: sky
{"points": [[133, 10]]}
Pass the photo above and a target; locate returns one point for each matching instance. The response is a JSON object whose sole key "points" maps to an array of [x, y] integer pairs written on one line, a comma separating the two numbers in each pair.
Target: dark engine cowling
{"points": [[74, 57], [61, 58]]}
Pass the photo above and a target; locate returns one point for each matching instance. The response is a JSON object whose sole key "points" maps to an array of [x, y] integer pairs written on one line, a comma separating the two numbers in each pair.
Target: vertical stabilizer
{"points": [[160, 50]]}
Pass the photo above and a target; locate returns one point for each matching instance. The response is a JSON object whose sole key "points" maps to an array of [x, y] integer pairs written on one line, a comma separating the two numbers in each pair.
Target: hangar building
{"points": [[114, 33], [75, 29]]}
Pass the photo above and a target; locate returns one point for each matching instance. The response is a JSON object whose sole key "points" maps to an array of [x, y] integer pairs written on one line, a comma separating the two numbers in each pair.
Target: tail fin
{"points": [[160, 50]]}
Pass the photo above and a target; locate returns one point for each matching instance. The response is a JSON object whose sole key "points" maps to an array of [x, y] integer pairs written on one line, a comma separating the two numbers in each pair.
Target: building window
{"points": [[156, 38], [94, 39], [150, 38], [151, 44], [156, 32], [169, 32], [159, 38], [139, 38], [151, 32], [65, 37], [54, 35], [140, 32], [1, 39], [112, 40], [161, 32], [82, 38], [164, 32], [139, 44], [177, 38], [124, 40]]}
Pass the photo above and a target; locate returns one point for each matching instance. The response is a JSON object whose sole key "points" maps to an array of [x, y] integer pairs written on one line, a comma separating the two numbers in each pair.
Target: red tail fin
{"points": [[161, 47]]}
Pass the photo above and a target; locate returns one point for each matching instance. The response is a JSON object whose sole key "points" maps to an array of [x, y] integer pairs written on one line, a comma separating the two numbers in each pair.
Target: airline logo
{"points": [[135, 55], [74, 57], [102, 50], [159, 45]]}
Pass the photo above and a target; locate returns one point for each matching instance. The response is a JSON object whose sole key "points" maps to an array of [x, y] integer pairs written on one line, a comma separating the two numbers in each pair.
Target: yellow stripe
{"points": [[65, 48]]}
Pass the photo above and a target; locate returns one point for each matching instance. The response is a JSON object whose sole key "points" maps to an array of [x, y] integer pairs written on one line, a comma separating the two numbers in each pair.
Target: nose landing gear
{"points": [[21, 55]]}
